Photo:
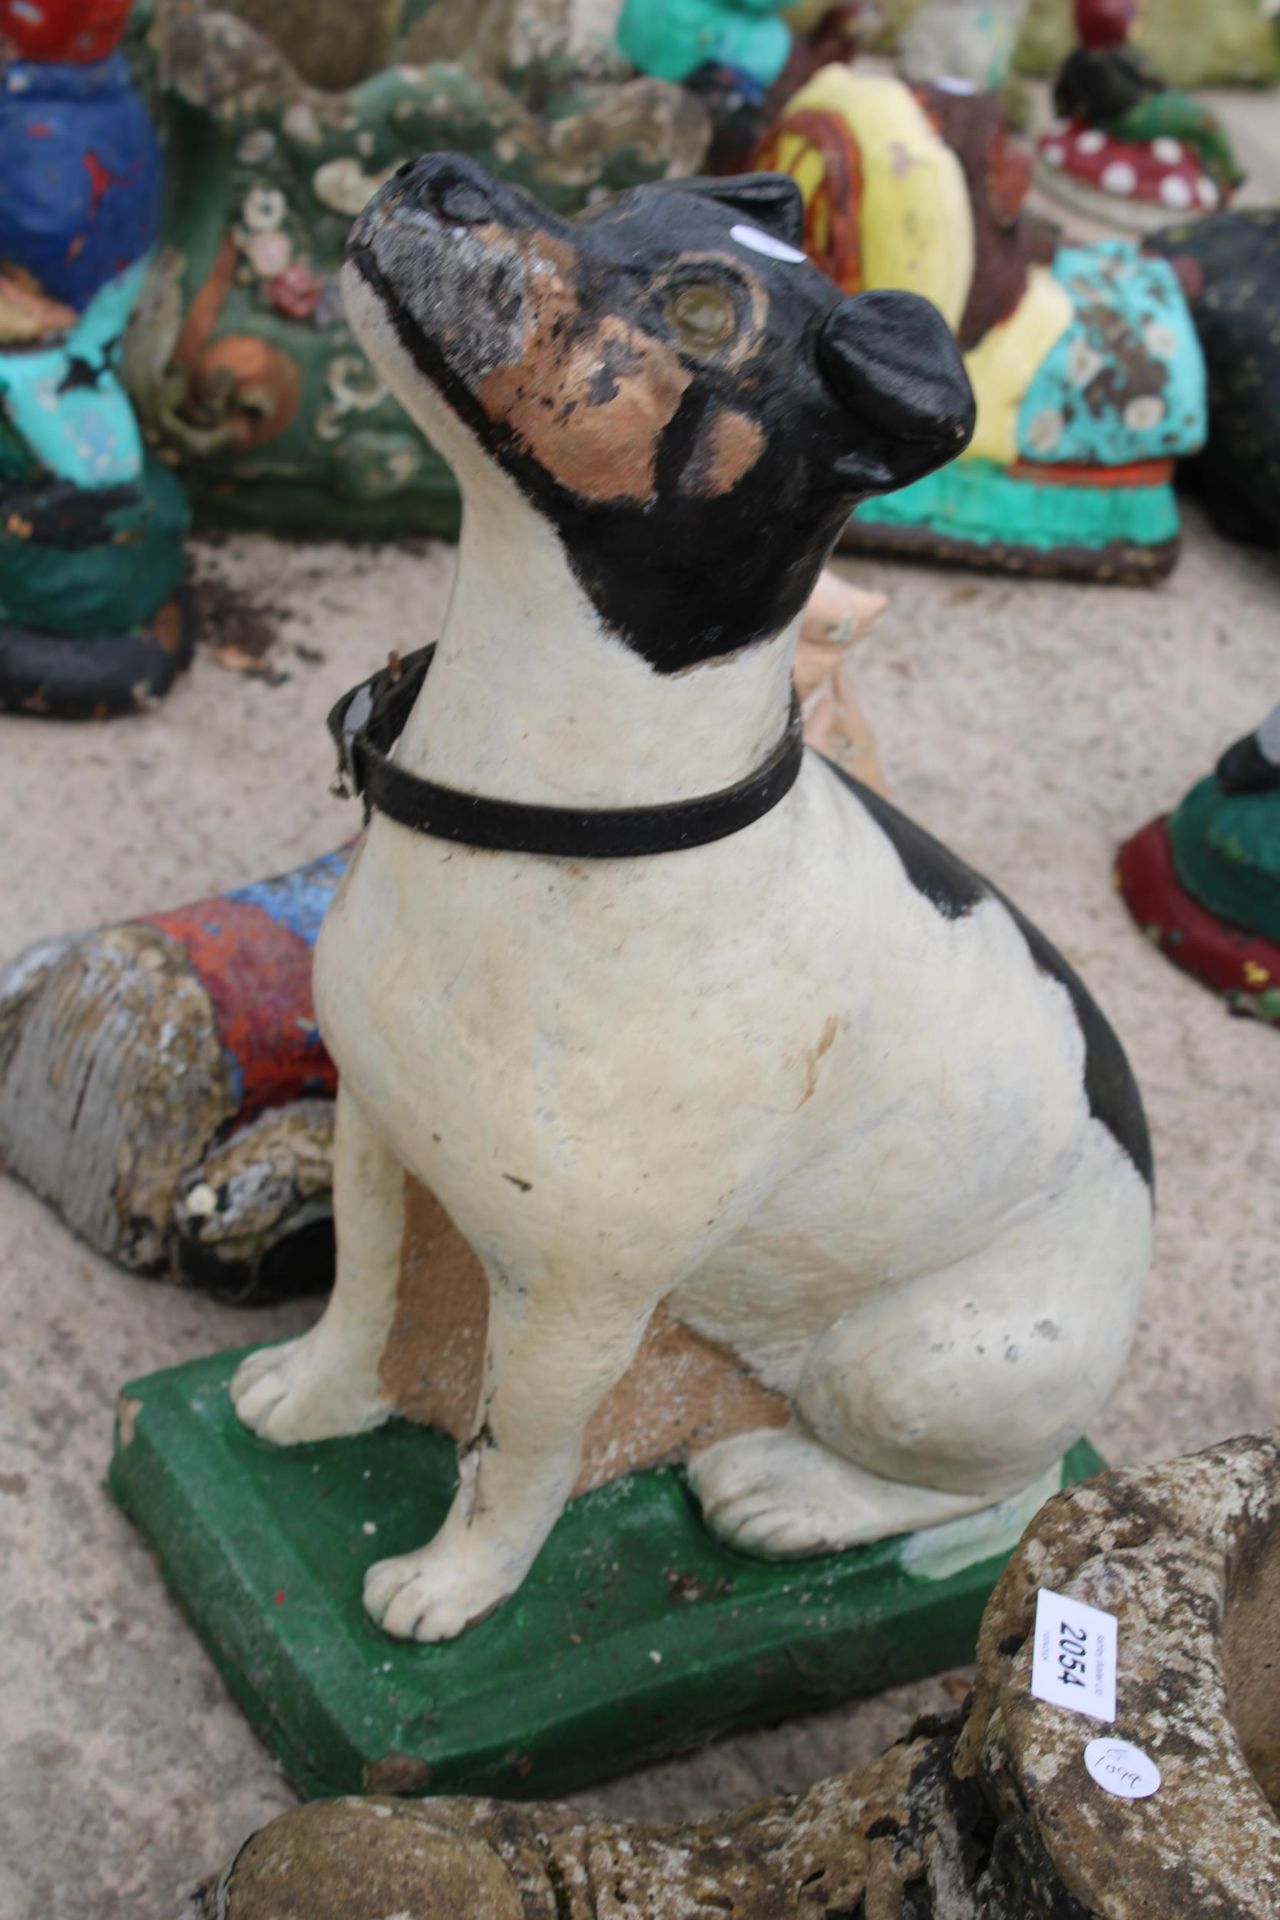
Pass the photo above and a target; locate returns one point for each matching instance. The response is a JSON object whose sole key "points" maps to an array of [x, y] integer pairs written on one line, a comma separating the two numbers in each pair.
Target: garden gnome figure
{"points": [[1084, 362], [1252, 763], [1125, 146], [1203, 882], [91, 533]]}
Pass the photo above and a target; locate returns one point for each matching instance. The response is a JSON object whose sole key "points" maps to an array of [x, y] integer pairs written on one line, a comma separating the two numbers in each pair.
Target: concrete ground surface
{"points": [[1032, 725]]}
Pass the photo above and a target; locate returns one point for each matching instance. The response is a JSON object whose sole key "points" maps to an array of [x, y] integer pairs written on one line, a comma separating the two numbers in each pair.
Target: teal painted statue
{"points": [[1084, 361], [742, 58], [240, 358], [91, 530], [673, 38], [1203, 882]]}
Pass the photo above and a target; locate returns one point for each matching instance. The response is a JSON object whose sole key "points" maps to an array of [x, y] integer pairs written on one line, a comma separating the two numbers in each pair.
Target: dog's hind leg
{"points": [[326, 1383], [947, 1393]]}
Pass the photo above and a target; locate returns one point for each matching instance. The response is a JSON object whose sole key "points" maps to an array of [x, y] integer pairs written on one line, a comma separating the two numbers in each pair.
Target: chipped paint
{"points": [[936, 1553], [271, 1179], [984, 515], [1228, 956], [589, 404], [127, 1411], [113, 1083], [125, 1053], [1125, 380]]}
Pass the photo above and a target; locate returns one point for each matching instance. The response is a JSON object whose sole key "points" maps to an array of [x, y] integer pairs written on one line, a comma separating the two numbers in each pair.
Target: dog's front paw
{"points": [[436, 1593], [297, 1392]]}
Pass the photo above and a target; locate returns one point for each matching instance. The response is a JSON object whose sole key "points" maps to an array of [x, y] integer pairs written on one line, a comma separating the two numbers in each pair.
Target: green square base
{"points": [[636, 1635]]}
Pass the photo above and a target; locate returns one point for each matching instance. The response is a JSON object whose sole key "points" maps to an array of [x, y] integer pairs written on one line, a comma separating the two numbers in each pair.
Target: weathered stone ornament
{"points": [[1126, 148], [992, 1812], [190, 1127], [1084, 361], [91, 530], [1231, 265], [241, 360], [1203, 882], [965, 44], [1234, 43]]}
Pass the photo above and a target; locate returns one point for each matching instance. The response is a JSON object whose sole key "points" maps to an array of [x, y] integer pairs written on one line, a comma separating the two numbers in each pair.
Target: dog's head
{"points": [[690, 404]]}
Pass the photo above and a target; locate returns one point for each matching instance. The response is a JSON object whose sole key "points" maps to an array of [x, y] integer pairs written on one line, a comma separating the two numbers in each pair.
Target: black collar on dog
{"points": [[368, 721]]}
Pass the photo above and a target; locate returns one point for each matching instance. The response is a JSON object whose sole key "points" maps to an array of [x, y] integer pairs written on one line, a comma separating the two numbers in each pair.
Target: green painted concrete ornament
{"points": [[638, 1634], [240, 358], [91, 529], [673, 38], [1203, 882]]}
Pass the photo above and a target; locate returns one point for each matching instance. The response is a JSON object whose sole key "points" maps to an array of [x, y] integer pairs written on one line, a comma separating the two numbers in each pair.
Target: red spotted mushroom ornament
{"points": [[1125, 147], [1127, 183]]}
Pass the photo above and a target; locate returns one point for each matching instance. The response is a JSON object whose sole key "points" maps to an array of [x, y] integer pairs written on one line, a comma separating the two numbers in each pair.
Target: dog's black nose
{"points": [[894, 363], [451, 186]]}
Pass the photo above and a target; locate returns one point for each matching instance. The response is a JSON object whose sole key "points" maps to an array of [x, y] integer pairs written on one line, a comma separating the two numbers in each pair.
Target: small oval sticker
{"points": [[1122, 1769], [767, 243]]}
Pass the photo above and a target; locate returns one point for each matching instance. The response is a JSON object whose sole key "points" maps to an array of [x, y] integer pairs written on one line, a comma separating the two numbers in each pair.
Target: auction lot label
{"points": [[1075, 1656]]}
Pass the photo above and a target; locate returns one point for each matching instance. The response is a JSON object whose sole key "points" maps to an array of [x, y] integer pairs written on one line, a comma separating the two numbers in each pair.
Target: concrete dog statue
{"points": [[812, 1086]]}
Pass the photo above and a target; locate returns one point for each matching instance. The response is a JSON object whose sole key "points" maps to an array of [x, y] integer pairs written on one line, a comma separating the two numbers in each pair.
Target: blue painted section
{"points": [[299, 899], [65, 401], [672, 38], [1126, 382], [79, 174]]}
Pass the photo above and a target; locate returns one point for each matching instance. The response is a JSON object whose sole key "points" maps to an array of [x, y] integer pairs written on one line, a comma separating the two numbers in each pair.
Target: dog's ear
{"points": [[769, 200], [891, 361]]}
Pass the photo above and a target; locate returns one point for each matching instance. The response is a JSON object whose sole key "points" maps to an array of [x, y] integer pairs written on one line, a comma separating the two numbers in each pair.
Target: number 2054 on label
{"points": [[1075, 1656]]}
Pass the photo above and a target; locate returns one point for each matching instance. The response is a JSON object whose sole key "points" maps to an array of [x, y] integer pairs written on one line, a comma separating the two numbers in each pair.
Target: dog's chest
{"points": [[537, 995], [765, 1000]]}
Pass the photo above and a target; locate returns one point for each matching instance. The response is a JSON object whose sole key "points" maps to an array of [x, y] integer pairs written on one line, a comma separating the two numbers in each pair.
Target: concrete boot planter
{"points": [[989, 1814]]}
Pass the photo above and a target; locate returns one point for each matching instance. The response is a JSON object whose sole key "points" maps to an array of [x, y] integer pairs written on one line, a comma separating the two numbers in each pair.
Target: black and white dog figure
{"points": [[815, 1086]]}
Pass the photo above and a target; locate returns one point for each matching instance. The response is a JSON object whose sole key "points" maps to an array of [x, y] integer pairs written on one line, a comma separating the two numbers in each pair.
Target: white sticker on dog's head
{"points": [[766, 243]]}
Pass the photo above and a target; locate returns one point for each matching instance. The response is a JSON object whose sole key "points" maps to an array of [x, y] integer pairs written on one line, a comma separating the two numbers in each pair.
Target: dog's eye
{"points": [[702, 316]]}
